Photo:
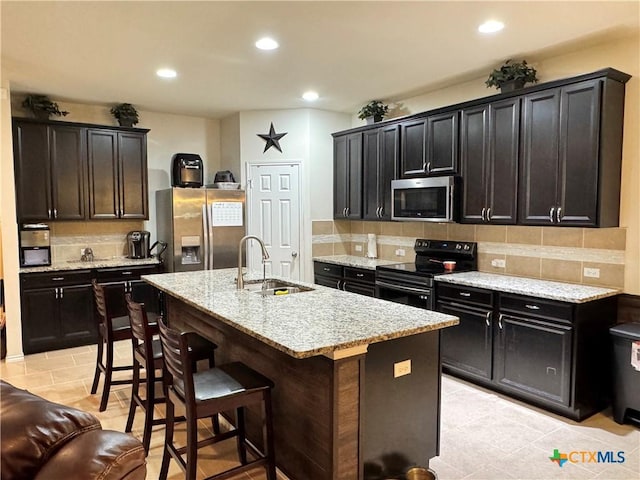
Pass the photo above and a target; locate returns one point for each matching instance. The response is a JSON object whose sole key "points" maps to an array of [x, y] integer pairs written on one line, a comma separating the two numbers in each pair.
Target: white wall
{"points": [[230, 145]]}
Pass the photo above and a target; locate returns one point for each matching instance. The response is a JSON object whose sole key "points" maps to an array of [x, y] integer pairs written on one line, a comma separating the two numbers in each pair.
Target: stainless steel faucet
{"points": [[265, 256]]}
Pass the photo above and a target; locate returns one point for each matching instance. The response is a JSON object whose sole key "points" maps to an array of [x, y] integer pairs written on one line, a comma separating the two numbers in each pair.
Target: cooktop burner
{"points": [[430, 255]]}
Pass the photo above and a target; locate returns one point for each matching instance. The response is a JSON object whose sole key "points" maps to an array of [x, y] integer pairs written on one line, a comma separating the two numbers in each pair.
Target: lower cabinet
{"points": [[550, 353], [349, 279], [57, 311], [58, 307]]}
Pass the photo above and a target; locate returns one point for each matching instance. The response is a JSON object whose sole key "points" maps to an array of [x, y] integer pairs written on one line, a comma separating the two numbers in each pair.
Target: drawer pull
{"points": [[57, 279], [127, 273], [359, 275], [326, 269], [465, 294], [532, 307]]}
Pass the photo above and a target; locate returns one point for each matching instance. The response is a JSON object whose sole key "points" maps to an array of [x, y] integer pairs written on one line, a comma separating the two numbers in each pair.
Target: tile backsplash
{"points": [[107, 239], [550, 253]]}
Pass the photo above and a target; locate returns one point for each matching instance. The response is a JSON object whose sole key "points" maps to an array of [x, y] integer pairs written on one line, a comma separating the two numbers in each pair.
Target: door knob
{"points": [[294, 254]]}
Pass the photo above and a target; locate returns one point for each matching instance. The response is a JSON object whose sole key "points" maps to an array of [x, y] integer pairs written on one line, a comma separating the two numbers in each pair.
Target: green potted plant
{"points": [[374, 111], [511, 76], [126, 114], [41, 106]]}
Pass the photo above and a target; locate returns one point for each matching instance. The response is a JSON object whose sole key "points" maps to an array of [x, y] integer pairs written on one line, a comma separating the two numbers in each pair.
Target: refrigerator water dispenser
{"points": [[190, 250]]}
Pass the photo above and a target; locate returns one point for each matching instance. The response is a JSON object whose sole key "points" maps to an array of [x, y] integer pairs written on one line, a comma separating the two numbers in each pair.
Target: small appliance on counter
{"points": [[138, 245], [35, 246], [187, 170], [224, 180]]}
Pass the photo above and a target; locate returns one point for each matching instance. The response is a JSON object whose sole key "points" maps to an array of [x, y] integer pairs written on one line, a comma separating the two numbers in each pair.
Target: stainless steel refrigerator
{"points": [[202, 227]]}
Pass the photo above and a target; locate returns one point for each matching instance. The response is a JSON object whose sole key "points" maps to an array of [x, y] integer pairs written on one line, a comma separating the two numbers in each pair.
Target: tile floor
{"points": [[483, 435]]}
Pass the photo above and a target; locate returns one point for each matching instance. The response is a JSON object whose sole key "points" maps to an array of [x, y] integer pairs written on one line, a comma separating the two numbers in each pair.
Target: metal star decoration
{"points": [[272, 139]]}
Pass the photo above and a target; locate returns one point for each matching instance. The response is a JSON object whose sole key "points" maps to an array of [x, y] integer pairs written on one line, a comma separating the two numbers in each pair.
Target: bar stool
{"points": [[206, 393], [151, 359]]}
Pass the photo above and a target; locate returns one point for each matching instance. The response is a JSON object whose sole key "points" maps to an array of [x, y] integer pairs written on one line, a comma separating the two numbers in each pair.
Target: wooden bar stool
{"points": [[151, 359], [204, 394]]}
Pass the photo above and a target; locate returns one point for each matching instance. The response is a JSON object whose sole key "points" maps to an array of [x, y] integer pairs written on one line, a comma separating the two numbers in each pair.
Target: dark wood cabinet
{"points": [[547, 352], [441, 152], [57, 311], [117, 174], [347, 174], [468, 347], [489, 162], [570, 153], [50, 171], [429, 146], [380, 157], [349, 279], [127, 280]]}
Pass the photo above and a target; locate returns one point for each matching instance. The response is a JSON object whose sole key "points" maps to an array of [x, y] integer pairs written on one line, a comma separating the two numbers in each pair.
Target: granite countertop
{"points": [[354, 261], [565, 292], [99, 263], [324, 321]]}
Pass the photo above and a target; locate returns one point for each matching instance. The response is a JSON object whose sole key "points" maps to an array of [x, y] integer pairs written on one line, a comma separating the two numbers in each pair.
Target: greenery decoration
{"points": [[375, 108], [126, 114], [41, 106], [519, 72]]}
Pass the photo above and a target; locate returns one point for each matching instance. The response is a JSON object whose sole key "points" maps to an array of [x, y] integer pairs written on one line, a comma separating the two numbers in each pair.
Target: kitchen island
{"points": [[357, 380]]}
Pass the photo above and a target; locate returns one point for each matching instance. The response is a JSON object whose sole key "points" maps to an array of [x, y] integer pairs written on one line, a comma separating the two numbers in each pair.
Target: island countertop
{"points": [[324, 321]]}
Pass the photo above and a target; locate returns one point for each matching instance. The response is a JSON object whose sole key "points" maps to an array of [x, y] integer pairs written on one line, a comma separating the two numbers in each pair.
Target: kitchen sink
{"points": [[272, 286]]}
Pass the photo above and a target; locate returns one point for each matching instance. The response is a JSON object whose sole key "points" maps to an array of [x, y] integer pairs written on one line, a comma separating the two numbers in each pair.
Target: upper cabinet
{"points": [[571, 154], [429, 146], [72, 171], [380, 157], [489, 139], [117, 174], [347, 176], [50, 171]]}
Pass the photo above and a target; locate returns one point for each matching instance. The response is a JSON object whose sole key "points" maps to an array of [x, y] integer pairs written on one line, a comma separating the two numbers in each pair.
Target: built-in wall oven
{"points": [[412, 283]]}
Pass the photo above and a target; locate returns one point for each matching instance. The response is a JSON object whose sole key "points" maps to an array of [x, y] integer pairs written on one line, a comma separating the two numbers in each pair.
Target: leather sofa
{"points": [[42, 440]]}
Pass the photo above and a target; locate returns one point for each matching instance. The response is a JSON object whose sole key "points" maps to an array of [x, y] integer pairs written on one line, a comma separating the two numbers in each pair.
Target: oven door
{"points": [[413, 296]]}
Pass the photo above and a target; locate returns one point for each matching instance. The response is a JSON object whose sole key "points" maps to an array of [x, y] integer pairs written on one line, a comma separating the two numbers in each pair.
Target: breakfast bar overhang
{"points": [[357, 379]]}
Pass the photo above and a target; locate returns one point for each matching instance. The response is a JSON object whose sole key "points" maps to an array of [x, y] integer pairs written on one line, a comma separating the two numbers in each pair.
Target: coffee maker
{"points": [[138, 244]]}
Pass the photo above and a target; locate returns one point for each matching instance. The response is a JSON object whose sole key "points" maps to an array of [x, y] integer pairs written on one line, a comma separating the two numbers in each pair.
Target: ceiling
{"points": [[349, 52]]}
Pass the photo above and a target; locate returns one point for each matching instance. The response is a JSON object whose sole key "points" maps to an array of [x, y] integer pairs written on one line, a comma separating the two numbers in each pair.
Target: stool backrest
{"points": [[140, 330], [175, 352]]}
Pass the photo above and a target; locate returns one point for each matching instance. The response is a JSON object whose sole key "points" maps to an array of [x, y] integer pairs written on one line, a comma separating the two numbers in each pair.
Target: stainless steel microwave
{"points": [[431, 199]]}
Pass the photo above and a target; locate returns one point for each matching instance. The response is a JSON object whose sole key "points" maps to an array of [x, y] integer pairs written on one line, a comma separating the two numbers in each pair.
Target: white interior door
{"points": [[273, 192]]}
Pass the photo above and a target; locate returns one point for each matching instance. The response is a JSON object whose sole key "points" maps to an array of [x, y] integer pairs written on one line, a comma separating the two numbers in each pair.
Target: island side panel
{"points": [[315, 400], [401, 415]]}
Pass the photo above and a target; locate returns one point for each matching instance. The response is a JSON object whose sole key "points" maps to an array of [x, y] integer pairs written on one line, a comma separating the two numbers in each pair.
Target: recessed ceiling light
{"points": [[267, 43], [166, 73], [310, 96], [491, 26]]}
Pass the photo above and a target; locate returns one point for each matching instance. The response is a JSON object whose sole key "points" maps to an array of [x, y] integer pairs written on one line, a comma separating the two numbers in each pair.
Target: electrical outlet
{"points": [[499, 263], [400, 252], [401, 368], [358, 248], [592, 272], [81, 251]]}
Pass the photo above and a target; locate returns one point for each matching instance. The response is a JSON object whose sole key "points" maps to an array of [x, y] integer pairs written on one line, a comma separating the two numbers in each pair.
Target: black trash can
{"points": [[625, 339]]}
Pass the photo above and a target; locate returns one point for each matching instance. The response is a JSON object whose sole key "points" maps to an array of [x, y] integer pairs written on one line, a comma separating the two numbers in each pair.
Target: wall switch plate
{"points": [[592, 272], [400, 252], [498, 263], [401, 369], [358, 248]]}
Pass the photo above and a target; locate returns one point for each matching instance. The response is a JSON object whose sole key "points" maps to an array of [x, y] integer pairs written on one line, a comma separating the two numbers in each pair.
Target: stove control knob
{"points": [[458, 246], [467, 246]]}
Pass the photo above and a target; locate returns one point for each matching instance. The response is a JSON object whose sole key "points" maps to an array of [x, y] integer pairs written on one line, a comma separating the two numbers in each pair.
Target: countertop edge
{"points": [[78, 265], [354, 261]]}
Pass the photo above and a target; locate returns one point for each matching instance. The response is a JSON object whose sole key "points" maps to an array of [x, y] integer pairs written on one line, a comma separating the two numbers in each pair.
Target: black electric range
{"points": [[412, 283]]}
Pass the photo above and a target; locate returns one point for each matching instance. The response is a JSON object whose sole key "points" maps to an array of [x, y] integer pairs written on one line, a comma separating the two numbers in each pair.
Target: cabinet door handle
{"points": [[61, 292], [482, 214], [429, 167], [48, 213], [57, 294], [338, 284], [500, 321], [532, 307], [553, 209], [57, 279], [487, 319], [464, 294], [489, 214], [55, 213], [558, 213], [424, 167]]}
